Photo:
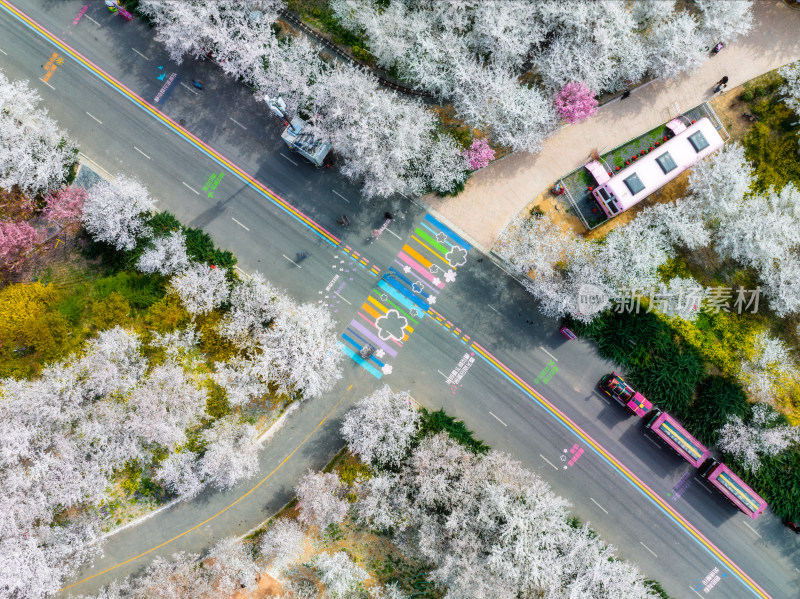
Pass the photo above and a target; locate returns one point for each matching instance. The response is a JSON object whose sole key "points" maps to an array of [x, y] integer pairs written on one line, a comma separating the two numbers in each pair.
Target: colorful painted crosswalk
{"points": [[404, 294]]}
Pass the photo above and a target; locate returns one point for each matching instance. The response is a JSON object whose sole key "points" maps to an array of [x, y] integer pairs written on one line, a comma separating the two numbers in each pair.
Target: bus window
{"points": [[666, 162], [634, 184], [698, 141]]}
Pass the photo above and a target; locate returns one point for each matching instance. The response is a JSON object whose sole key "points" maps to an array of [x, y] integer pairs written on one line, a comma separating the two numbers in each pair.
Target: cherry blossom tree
{"points": [[341, 576], [166, 255], [490, 528], [719, 182], [180, 474], [114, 212], [791, 88], [725, 19], [232, 568], [112, 363], [769, 371], [762, 435], [321, 499], [675, 45], [283, 544], [16, 238], [244, 378], [381, 427], [362, 121], [169, 578], [302, 344], [479, 154], [35, 154], [576, 102], [254, 305], [164, 405], [537, 245], [65, 206], [231, 452], [201, 288]]}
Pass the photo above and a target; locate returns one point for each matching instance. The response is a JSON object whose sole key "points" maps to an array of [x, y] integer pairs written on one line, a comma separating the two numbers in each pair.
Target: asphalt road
{"points": [[625, 504]]}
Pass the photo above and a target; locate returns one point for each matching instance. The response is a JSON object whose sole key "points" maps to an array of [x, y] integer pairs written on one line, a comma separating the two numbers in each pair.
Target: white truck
{"points": [[304, 143]]}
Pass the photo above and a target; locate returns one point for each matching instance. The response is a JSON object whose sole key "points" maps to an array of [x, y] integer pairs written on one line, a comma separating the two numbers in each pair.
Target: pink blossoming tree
{"points": [[65, 206], [575, 102], [479, 154], [15, 239]]}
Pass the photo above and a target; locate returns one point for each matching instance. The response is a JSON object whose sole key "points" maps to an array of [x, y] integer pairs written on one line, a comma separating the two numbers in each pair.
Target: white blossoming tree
{"points": [[114, 212], [791, 89], [166, 256], [283, 544], [231, 452], [35, 154], [341, 576], [201, 288], [748, 442], [381, 427], [321, 499]]}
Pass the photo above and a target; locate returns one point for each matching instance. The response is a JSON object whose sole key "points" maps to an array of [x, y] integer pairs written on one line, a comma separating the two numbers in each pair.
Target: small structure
{"points": [[305, 143], [655, 169]]}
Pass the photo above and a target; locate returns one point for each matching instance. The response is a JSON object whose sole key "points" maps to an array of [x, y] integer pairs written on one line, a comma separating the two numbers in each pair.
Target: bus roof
{"points": [[677, 437], [655, 169], [735, 489]]}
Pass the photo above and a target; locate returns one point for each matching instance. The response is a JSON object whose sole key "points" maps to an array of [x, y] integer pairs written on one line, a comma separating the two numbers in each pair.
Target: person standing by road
{"points": [[723, 81]]}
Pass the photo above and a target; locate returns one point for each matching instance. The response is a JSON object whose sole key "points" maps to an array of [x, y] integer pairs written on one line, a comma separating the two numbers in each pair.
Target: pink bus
{"points": [[616, 388], [652, 171], [666, 428], [733, 488]]}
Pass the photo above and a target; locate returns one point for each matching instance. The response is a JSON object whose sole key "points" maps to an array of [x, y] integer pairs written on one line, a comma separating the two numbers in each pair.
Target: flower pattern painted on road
{"points": [[403, 297], [392, 326]]}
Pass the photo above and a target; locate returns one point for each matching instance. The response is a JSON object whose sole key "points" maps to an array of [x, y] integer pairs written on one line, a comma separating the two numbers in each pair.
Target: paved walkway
{"points": [[496, 194]]}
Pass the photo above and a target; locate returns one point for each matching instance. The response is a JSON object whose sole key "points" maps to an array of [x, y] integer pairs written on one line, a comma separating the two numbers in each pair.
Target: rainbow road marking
{"points": [[607, 457], [197, 143]]}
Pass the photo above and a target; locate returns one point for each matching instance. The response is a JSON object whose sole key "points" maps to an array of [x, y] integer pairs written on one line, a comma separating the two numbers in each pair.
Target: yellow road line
{"points": [[222, 511]]}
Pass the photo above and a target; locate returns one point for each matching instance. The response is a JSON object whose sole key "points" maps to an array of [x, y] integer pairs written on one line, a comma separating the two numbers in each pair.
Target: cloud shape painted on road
{"points": [[391, 326], [457, 256]]}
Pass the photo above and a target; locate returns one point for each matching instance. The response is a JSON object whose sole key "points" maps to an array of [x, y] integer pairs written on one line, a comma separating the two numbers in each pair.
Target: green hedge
{"points": [[437, 422]]}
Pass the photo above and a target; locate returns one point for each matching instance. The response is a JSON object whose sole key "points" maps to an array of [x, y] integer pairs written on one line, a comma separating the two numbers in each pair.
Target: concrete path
{"points": [[496, 194]]}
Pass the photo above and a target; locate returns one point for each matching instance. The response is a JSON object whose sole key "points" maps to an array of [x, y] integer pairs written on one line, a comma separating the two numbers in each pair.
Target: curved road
{"points": [[489, 358]]}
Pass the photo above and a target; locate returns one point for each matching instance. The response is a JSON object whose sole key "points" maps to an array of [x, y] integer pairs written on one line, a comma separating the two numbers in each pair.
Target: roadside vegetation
{"points": [[136, 367], [705, 313], [506, 71], [414, 507]]}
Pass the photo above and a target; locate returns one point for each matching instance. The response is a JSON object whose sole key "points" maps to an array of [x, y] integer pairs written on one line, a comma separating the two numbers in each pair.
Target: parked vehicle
{"points": [[666, 428], [617, 389], [733, 488], [304, 143]]}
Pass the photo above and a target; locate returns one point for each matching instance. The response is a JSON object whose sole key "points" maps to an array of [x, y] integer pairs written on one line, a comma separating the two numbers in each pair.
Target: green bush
{"points": [[163, 223], [141, 290], [746, 95], [72, 307], [718, 397], [199, 247], [437, 422]]}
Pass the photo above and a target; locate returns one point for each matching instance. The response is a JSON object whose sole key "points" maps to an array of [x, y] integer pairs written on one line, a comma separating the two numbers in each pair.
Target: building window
{"points": [[698, 140], [666, 162], [634, 184]]}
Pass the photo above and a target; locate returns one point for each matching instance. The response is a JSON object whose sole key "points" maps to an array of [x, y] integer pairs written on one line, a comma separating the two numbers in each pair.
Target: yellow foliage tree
{"points": [[21, 303], [110, 311]]}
